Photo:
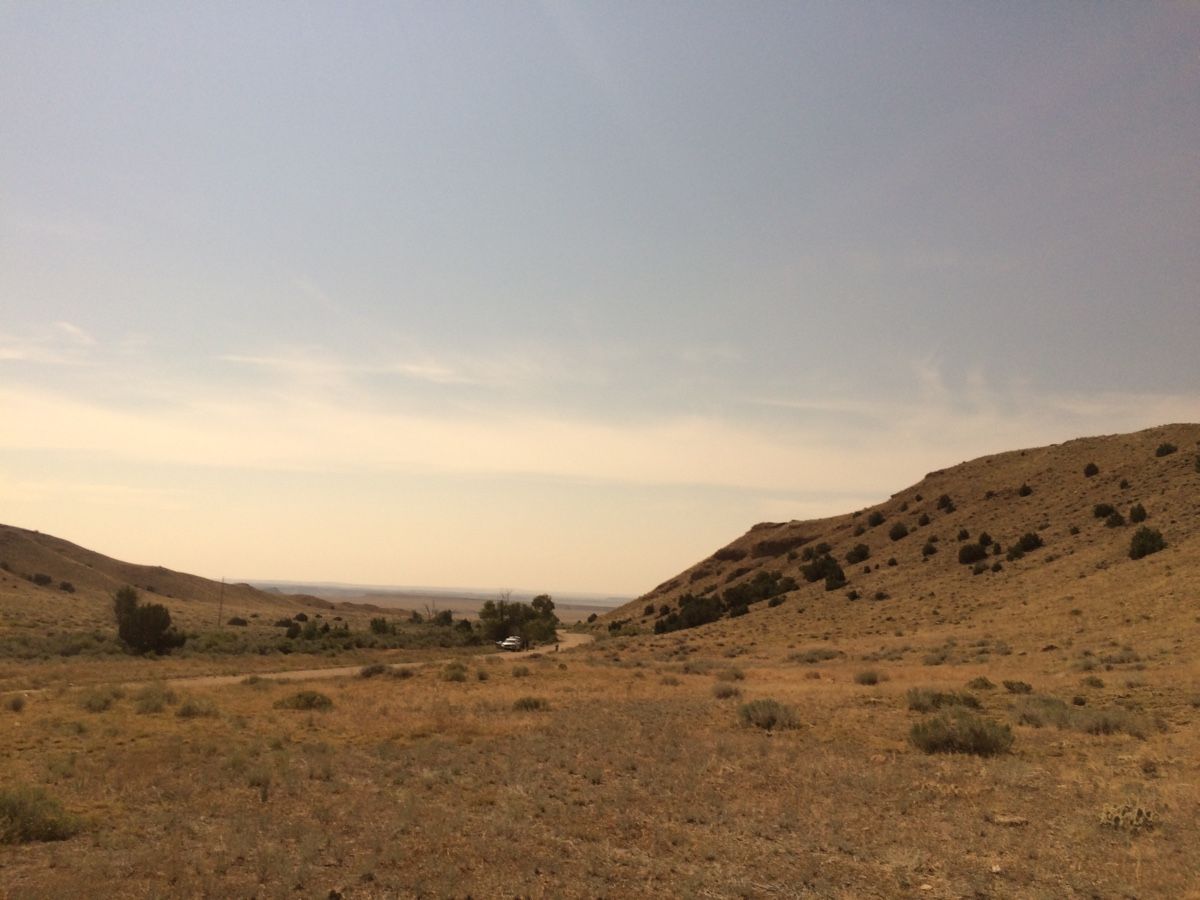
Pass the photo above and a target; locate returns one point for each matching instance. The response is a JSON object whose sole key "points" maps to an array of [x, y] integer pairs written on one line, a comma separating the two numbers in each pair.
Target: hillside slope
{"points": [[915, 581], [79, 584]]}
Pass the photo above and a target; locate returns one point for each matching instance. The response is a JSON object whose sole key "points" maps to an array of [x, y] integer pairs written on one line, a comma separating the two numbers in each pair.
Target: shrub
{"points": [[835, 580], [898, 531], [929, 549], [1165, 449], [892, 561], [926, 700], [1029, 541], [1093, 681], [16, 703], [961, 732], [971, 553], [237, 621], [944, 502], [724, 690], [923, 520], [1018, 687], [454, 671], [372, 670], [1024, 490], [1091, 469], [1137, 513], [1145, 541], [153, 698], [143, 628], [28, 814], [100, 699], [531, 704], [305, 700], [858, 554], [981, 683], [1114, 520], [815, 655], [875, 518], [66, 587], [729, 554], [869, 677], [1103, 510], [197, 708], [520, 671], [768, 714]]}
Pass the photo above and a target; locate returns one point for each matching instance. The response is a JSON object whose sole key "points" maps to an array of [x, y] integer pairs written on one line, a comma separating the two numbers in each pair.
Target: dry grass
{"points": [[630, 773]]}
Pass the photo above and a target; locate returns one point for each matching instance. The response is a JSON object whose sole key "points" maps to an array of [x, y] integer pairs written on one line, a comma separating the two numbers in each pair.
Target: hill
{"points": [[913, 564], [45, 578]]}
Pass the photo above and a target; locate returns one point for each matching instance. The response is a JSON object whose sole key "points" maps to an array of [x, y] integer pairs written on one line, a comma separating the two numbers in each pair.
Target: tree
{"points": [[533, 622], [144, 627]]}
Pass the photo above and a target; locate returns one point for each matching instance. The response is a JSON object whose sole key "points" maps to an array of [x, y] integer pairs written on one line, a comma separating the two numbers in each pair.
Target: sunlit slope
{"points": [[1081, 577]]}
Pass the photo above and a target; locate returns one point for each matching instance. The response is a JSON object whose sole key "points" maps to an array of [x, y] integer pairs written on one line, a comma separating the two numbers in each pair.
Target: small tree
{"points": [[1091, 469], [144, 627], [1146, 541]]}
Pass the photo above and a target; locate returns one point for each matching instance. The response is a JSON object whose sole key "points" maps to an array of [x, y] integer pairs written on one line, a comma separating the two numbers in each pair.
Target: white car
{"points": [[513, 643]]}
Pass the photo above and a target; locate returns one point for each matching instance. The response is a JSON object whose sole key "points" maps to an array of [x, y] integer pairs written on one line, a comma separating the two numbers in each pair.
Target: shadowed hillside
{"points": [[916, 561]]}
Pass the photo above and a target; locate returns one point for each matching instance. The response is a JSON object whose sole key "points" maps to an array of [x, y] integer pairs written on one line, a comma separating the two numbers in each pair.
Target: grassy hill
{"points": [[911, 582]]}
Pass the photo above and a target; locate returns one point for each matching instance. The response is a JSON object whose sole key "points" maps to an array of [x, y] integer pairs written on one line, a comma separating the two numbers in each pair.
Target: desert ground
{"points": [[795, 750]]}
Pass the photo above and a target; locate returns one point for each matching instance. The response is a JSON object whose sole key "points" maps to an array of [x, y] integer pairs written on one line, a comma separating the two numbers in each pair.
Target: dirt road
{"points": [[567, 640]]}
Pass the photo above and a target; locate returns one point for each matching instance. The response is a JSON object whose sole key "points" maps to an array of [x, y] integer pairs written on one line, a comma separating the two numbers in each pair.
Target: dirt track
{"points": [[567, 640]]}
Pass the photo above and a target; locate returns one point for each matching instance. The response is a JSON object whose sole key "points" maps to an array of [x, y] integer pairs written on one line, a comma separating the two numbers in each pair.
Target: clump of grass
{"points": [[815, 655], [926, 700], [531, 704], [723, 690], [1018, 687], [731, 674], [372, 670], [1044, 710], [520, 671], [961, 732], [28, 813], [16, 703], [100, 699], [1128, 817], [197, 708], [768, 714], [401, 672], [153, 698], [982, 683], [305, 700], [1093, 681], [454, 671], [869, 677]]}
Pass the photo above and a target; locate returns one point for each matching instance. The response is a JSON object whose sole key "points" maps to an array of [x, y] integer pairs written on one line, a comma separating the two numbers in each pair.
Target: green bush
{"points": [[1145, 541], [144, 628], [305, 700], [898, 531], [153, 698], [1137, 513], [28, 813], [971, 553], [1103, 510], [1114, 520], [875, 519], [961, 732], [1165, 449], [768, 714], [858, 554]]}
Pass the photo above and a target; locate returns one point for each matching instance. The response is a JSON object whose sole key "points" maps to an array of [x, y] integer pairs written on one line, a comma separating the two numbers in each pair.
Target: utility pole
{"points": [[221, 605]]}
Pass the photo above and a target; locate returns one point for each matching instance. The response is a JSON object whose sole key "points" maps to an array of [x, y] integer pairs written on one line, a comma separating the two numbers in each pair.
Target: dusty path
{"points": [[567, 640]]}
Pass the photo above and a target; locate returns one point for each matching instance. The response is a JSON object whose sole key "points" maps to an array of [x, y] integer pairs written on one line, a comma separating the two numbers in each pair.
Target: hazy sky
{"points": [[562, 295]]}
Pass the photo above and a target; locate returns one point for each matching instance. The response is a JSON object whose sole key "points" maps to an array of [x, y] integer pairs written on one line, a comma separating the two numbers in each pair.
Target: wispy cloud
{"points": [[60, 344]]}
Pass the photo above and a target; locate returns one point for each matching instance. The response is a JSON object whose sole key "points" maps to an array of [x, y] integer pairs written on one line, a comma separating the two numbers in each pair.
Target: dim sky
{"points": [[562, 295]]}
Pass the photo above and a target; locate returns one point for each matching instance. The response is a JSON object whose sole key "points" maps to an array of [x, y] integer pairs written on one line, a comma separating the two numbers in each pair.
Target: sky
{"points": [[565, 295]]}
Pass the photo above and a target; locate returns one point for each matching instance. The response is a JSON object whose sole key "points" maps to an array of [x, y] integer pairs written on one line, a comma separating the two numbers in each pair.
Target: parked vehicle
{"points": [[513, 643]]}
